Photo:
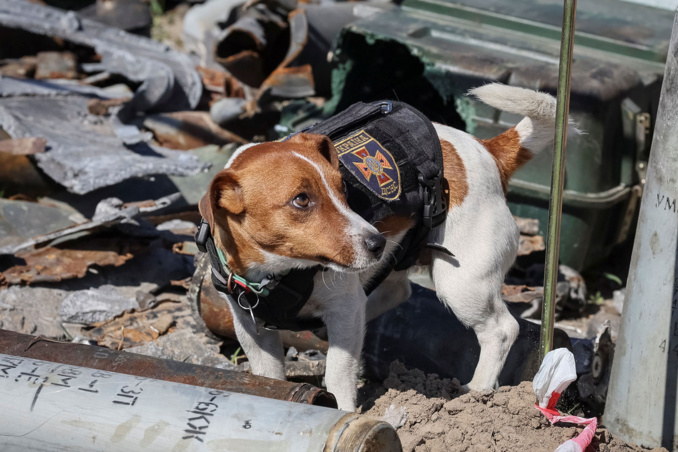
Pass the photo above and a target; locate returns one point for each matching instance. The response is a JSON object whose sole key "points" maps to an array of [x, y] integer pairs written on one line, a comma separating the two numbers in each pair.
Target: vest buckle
{"points": [[202, 235]]}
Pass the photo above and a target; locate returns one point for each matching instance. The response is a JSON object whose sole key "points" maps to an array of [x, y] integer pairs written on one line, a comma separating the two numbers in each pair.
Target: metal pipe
{"points": [[49, 406], [100, 358], [557, 178], [642, 400]]}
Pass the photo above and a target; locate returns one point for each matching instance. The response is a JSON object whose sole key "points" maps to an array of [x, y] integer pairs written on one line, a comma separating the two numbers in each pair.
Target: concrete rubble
{"points": [[95, 305], [176, 346], [32, 310]]}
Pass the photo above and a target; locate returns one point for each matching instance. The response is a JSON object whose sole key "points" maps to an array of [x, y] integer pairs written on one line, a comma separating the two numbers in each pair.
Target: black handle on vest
{"points": [[434, 207]]}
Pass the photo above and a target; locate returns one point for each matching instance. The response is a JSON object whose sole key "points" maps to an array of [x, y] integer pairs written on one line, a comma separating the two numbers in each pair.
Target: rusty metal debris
{"points": [[19, 67], [102, 107], [277, 50], [134, 328], [521, 293], [530, 244], [148, 274], [53, 264], [23, 146], [18, 174], [304, 341], [178, 372], [200, 28], [188, 130], [220, 83], [90, 136], [289, 80]]}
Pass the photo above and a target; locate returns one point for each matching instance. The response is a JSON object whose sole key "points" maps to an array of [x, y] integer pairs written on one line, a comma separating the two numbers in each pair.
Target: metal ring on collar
{"points": [[228, 283], [248, 307]]}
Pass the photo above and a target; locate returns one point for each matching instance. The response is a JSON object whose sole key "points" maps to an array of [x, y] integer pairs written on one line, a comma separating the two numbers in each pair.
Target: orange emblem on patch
{"points": [[373, 165], [365, 157]]}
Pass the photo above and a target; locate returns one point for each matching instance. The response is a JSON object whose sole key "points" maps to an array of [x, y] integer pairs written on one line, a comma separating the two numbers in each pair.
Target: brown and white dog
{"points": [[281, 205]]}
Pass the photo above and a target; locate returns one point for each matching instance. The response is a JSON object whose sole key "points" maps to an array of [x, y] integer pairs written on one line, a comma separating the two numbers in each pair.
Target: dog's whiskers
{"points": [[393, 241], [322, 276]]}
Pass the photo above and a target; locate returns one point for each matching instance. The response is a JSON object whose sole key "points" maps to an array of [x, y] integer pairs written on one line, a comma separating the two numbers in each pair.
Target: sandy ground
{"points": [[431, 414]]}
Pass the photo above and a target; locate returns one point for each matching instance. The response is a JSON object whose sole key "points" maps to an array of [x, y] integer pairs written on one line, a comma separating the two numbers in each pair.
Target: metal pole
{"points": [[100, 358], [642, 399], [557, 178], [50, 406]]}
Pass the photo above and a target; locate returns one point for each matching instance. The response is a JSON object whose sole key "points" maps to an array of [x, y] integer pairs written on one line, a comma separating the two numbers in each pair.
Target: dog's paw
{"points": [[465, 389]]}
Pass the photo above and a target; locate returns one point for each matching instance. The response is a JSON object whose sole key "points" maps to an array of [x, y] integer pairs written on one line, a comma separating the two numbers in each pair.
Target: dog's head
{"points": [[282, 205]]}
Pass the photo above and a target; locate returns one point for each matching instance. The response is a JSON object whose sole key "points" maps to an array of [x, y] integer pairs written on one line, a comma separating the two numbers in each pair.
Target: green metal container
{"points": [[429, 53]]}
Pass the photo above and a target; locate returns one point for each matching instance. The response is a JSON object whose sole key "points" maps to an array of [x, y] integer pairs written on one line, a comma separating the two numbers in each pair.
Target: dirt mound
{"points": [[431, 414]]}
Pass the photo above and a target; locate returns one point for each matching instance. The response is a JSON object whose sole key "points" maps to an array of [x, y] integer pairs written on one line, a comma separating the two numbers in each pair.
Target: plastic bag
{"points": [[556, 373]]}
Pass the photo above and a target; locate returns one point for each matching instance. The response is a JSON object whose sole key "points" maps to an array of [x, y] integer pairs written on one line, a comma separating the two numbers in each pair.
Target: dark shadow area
{"points": [[671, 384], [152, 261], [388, 70], [423, 333], [131, 190]]}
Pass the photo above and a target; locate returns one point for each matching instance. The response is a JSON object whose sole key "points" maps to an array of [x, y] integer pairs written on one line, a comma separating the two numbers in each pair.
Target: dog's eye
{"points": [[301, 200]]}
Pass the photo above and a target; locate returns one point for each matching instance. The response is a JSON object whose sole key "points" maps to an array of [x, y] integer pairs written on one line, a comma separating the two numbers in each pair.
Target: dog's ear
{"points": [[223, 194], [320, 143]]}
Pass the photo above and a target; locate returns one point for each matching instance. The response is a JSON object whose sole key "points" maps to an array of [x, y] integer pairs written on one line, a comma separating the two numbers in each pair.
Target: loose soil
{"points": [[433, 414]]}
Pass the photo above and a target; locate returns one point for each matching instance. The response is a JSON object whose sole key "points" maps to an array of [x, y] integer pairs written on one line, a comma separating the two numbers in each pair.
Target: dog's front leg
{"points": [[345, 320], [264, 348]]}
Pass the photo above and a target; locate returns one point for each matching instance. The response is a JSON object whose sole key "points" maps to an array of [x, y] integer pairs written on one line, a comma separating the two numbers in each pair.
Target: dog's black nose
{"points": [[375, 244]]}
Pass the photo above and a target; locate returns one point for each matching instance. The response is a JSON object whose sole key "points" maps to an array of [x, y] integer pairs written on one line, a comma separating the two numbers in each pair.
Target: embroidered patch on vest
{"points": [[371, 164]]}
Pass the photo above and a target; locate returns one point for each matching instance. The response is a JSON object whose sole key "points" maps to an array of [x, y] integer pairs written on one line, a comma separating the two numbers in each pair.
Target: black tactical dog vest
{"points": [[391, 161]]}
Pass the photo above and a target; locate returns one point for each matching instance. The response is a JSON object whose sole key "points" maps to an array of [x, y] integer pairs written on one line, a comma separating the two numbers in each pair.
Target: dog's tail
{"points": [[515, 147]]}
